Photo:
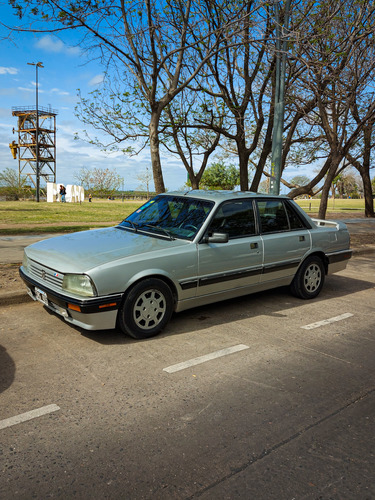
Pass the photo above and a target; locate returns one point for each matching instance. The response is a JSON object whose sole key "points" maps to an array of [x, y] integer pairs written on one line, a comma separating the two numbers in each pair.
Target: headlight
{"points": [[79, 284]]}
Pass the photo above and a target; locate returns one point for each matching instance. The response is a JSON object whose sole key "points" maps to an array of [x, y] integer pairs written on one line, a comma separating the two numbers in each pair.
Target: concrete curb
{"points": [[20, 296]]}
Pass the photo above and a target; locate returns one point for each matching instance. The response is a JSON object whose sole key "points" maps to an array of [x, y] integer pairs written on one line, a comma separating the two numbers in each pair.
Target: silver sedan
{"points": [[181, 250]]}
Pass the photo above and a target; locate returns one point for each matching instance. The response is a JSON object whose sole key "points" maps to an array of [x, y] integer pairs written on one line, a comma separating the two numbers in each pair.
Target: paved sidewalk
{"points": [[11, 247]]}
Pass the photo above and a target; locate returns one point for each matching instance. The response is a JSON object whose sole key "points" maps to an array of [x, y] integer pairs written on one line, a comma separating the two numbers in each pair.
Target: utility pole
{"points": [[37, 65], [278, 120]]}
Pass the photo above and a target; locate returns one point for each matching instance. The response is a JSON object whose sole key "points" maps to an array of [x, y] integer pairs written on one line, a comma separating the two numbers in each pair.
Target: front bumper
{"points": [[93, 313]]}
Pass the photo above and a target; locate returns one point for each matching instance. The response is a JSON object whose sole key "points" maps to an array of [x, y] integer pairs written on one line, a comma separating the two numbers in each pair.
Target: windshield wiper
{"points": [[159, 228], [134, 225]]}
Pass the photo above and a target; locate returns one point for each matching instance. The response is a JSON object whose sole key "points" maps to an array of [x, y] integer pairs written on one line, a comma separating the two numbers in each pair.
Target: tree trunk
{"points": [[194, 182], [243, 155], [365, 171], [367, 191], [155, 152], [327, 186], [266, 151]]}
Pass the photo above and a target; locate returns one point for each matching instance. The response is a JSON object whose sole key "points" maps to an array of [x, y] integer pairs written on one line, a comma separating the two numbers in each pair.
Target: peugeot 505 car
{"points": [[182, 250]]}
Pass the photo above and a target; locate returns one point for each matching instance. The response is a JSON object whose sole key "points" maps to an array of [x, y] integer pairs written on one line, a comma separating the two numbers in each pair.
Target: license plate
{"points": [[41, 296]]}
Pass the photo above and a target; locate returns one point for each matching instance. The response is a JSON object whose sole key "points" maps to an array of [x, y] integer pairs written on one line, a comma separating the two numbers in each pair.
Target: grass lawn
{"points": [[29, 217], [334, 205]]}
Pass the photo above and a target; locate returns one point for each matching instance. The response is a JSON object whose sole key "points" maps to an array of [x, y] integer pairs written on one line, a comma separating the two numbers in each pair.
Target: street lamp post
{"points": [[37, 65]]}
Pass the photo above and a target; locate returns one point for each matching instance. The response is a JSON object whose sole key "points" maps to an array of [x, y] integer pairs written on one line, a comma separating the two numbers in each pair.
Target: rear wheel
{"points": [[147, 309], [309, 279]]}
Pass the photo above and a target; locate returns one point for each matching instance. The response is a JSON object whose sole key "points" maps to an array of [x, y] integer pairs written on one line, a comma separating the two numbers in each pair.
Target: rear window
{"points": [[272, 216]]}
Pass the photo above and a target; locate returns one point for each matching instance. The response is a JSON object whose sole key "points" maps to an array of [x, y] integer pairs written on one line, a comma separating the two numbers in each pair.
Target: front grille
{"points": [[45, 275]]}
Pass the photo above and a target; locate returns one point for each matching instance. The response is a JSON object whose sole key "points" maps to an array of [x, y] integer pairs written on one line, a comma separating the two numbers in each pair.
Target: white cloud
{"points": [[58, 91], [24, 89], [53, 44], [97, 80], [8, 71]]}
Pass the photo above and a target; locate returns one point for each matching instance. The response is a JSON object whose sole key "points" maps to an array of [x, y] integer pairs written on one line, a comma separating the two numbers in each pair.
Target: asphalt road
{"points": [[275, 400]]}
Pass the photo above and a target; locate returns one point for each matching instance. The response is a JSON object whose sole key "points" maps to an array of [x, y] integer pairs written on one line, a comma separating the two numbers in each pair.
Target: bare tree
{"points": [[150, 40], [339, 35], [240, 75], [360, 156], [102, 181], [183, 135], [145, 178]]}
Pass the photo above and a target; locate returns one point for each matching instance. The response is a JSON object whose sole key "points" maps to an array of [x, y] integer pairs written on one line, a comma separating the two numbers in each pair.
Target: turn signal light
{"points": [[74, 307], [112, 304]]}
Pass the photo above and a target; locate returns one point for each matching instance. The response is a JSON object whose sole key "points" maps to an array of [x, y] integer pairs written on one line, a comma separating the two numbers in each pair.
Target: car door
{"points": [[236, 263], [286, 239]]}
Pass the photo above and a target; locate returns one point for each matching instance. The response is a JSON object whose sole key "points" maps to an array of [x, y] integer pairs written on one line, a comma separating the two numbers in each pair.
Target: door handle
{"points": [[253, 246], [301, 238]]}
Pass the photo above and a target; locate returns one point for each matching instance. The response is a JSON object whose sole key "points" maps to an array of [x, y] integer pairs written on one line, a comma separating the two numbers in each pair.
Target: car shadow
{"points": [[272, 303], [7, 370]]}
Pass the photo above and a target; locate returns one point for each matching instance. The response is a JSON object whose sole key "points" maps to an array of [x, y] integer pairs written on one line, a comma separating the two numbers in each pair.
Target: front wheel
{"points": [[309, 279], [147, 308]]}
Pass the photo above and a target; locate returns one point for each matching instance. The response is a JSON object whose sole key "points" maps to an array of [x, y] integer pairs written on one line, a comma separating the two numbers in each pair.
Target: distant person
{"points": [[90, 198], [62, 193]]}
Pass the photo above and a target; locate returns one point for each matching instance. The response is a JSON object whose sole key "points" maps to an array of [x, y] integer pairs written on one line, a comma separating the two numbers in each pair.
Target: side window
{"points": [[272, 216], [294, 221], [235, 218]]}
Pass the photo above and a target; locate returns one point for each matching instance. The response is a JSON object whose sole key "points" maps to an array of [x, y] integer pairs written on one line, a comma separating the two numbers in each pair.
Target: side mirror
{"points": [[216, 238]]}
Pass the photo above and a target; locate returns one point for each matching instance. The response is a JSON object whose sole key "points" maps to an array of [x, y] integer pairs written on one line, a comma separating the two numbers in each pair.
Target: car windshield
{"points": [[170, 216]]}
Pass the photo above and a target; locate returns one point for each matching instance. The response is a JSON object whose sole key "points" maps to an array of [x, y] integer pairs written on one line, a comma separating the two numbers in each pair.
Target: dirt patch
{"points": [[358, 240], [10, 280]]}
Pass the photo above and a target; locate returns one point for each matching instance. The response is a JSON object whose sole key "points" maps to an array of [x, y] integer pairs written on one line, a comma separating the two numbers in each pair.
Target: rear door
{"points": [[286, 239]]}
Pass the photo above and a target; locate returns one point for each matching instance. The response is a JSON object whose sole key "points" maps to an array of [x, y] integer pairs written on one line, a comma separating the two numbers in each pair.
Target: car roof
{"points": [[220, 195]]}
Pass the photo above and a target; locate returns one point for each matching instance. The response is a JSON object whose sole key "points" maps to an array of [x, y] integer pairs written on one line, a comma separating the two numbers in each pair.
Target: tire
{"points": [[309, 279], [147, 308]]}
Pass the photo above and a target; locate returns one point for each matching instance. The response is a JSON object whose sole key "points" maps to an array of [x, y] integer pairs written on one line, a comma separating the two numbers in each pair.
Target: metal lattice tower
{"points": [[36, 125]]}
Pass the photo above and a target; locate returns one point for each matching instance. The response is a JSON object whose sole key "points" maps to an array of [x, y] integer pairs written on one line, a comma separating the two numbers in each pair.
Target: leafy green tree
{"points": [[337, 183], [220, 176], [350, 187], [347, 185]]}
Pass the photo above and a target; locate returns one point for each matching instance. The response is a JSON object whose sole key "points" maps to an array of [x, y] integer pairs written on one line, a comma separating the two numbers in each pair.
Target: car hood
{"points": [[80, 252]]}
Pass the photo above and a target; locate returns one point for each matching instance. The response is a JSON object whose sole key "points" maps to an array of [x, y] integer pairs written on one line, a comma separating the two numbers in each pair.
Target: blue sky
{"points": [[65, 70]]}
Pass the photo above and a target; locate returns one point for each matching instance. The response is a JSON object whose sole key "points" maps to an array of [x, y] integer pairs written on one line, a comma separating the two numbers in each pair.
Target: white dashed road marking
{"points": [[203, 359], [327, 321], [29, 415]]}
